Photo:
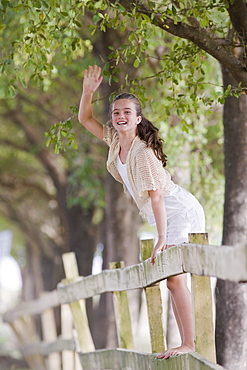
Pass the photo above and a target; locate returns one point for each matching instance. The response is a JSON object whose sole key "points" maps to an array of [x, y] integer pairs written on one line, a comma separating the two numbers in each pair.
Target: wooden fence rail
{"points": [[121, 359], [196, 258]]}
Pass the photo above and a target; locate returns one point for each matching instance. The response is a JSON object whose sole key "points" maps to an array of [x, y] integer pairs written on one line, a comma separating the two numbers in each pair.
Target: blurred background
{"points": [[55, 194]]}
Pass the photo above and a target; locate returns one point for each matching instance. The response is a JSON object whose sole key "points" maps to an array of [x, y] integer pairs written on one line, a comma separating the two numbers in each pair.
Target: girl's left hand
{"points": [[160, 246]]}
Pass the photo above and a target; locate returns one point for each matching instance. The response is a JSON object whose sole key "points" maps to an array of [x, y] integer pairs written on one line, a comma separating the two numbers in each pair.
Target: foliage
{"points": [[29, 183], [50, 27], [179, 66], [43, 29], [174, 78], [195, 153], [59, 130]]}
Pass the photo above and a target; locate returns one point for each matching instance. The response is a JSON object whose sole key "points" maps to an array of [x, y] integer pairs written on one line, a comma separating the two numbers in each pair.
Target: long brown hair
{"points": [[145, 129]]}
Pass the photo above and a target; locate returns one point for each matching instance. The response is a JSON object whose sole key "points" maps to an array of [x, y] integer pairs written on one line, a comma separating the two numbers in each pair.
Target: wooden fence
{"points": [[74, 349]]}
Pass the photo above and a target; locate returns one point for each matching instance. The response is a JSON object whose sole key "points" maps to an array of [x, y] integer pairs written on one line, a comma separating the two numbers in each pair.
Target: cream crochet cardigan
{"points": [[145, 171]]}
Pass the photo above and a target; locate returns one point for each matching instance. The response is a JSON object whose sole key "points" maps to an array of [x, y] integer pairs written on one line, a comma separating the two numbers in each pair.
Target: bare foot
{"points": [[175, 351]]}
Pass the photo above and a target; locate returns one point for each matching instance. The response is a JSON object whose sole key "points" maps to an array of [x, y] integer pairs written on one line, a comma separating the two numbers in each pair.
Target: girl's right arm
{"points": [[92, 80], [159, 210]]}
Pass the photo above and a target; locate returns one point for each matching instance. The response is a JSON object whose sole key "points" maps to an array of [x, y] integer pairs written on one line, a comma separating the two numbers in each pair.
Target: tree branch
{"points": [[46, 157], [206, 42], [14, 145], [32, 233], [25, 184], [199, 36], [38, 104]]}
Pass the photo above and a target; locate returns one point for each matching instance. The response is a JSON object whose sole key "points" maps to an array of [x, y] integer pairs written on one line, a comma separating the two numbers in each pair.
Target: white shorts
{"points": [[184, 215]]}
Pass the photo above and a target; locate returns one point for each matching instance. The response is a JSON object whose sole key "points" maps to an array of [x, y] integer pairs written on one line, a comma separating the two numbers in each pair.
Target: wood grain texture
{"points": [[119, 359]]}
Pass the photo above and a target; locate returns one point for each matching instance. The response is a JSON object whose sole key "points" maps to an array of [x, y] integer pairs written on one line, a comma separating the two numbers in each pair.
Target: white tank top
{"points": [[123, 173]]}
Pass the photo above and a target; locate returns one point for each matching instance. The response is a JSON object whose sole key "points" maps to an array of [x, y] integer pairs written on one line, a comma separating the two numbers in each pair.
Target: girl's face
{"points": [[124, 118]]}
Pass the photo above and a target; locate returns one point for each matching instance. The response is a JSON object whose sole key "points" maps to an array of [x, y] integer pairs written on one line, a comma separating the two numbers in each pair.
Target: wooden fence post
{"points": [[202, 303], [122, 314], [66, 333], [78, 308], [49, 332], [25, 330], [154, 305]]}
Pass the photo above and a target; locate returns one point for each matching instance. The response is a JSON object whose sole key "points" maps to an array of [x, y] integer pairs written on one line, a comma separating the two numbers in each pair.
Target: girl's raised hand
{"points": [[92, 79]]}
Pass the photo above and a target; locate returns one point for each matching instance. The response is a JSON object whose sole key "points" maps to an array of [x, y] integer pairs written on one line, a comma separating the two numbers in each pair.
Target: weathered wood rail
{"points": [[201, 260]]}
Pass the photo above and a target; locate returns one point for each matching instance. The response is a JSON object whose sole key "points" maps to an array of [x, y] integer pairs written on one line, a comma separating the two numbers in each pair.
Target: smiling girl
{"points": [[136, 159]]}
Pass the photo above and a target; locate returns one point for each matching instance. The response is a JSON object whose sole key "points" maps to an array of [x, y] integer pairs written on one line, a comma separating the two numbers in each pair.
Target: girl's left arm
{"points": [[159, 210]]}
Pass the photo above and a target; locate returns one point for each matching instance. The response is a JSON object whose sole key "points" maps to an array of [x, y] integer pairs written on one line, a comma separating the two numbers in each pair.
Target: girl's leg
{"points": [[182, 307]]}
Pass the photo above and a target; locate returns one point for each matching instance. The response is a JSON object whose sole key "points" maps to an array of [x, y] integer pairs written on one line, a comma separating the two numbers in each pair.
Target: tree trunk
{"points": [[33, 283], [122, 224], [83, 237], [231, 298]]}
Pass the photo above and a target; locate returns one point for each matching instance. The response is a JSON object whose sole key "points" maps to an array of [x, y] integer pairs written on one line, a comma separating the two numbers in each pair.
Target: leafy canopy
{"points": [[173, 77]]}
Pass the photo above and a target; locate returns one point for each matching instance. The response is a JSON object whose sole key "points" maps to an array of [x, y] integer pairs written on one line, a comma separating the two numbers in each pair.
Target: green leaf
{"points": [[132, 37], [56, 149], [121, 9], [23, 82], [77, 23], [137, 62], [49, 141], [185, 128], [204, 22], [64, 132], [12, 91], [105, 73], [100, 5]]}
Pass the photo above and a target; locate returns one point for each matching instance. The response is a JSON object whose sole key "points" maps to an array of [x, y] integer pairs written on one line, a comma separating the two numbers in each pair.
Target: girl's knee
{"points": [[176, 282]]}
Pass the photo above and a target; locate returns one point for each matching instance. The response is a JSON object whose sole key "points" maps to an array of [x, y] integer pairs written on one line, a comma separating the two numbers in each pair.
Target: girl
{"points": [[136, 159]]}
